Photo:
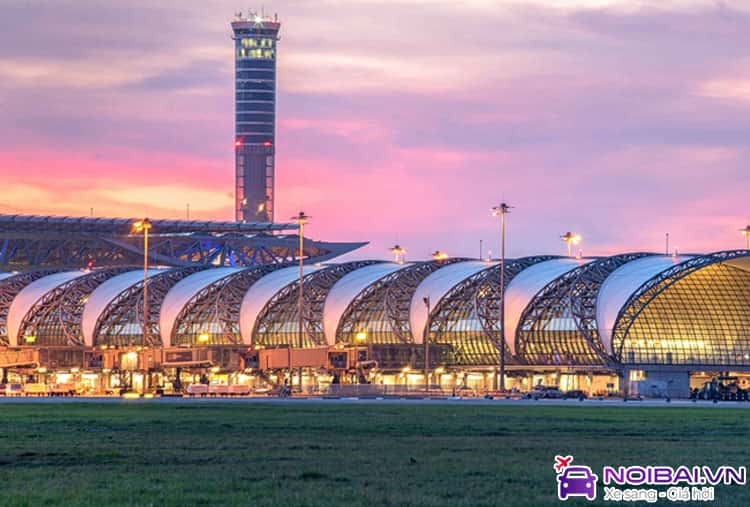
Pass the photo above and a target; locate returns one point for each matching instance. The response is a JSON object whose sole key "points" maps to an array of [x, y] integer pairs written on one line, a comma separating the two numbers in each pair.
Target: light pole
{"points": [[502, 210], [426, 340], [144, 226], [301, 219], [571, 238], [746, 232]]}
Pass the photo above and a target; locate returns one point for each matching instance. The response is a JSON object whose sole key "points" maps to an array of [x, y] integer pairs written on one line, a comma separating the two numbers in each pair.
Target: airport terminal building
{"points": [[595, 324]]}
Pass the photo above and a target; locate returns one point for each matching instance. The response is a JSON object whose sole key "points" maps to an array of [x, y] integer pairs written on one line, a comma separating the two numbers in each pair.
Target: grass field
{"points": [[342, 455]]}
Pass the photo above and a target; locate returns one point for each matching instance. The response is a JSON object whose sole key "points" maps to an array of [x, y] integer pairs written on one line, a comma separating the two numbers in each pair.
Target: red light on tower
{"points": [[238, 143], [267, 144]]}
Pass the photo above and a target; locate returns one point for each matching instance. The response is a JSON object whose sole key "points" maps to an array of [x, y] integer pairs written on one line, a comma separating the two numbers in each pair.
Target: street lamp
{"points": [[398, 253], [502, 210], [440, 256], [571, 238], [144, 226], [301, 219], [746, 232]]}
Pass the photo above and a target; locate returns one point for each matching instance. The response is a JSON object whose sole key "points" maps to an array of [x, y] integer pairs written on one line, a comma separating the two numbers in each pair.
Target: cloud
{"points": [[398, 121]]}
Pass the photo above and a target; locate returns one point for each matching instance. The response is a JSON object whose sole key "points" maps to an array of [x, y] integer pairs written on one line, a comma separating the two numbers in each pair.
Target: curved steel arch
{"points": [[278, 320], [655, 286], [382, 308], [55, 319], [121, 322], [585, 293], [9, 289], [549, 331], [215, 310], [474, 305]]}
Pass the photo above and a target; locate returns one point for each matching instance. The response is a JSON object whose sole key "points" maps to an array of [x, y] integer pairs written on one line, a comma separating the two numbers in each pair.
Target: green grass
{"points": [[314, 455]]}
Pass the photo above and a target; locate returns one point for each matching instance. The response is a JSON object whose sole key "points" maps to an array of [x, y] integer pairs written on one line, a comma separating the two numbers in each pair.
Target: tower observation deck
{"points": [[255, 37]]}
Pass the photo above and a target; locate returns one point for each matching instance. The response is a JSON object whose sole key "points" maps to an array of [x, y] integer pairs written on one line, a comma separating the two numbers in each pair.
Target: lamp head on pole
{"points": [[142, 225], [440, 256], [300, 218], [571, 237], [502, 209]]}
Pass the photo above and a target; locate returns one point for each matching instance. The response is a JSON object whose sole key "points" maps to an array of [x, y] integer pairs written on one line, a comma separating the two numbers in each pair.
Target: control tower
{"points": [[255, 37]]}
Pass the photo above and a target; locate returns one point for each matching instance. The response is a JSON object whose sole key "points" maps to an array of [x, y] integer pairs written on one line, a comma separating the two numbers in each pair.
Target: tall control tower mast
{"points": [[255, 37]]}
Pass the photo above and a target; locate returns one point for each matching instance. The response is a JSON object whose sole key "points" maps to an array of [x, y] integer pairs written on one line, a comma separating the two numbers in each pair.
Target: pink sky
{"points": [[397, 121]]}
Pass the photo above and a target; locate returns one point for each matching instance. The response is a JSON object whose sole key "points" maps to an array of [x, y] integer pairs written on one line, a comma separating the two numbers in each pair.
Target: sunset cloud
{"points": [[398, 121]]}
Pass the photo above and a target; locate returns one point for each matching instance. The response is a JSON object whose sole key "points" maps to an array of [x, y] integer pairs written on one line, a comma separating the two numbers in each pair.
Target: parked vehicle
{"points": [[544, 392], [721, 389], [575, 394]]}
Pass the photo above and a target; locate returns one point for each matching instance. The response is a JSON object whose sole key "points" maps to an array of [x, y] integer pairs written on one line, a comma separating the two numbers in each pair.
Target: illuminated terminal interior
{"points": [[593, 324]]}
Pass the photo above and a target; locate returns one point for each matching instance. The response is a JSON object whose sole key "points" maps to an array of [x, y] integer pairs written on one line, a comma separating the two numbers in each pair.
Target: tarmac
{"points": [[591, 402]]}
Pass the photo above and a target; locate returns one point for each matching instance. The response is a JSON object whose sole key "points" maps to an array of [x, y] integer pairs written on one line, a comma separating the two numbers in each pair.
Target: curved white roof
{"points": [[30, 294], [261, 292], [5, 275], [620, 285], [103, 295], [435, 286], [182, 292], [527, 284], [346, 289]]}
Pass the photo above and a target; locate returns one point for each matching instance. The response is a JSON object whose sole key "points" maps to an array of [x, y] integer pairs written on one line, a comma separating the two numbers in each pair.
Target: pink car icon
{"points": [[576, 481]]}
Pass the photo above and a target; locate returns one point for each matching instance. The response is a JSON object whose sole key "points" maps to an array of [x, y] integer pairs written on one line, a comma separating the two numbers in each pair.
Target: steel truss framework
{"points": [[121, 322], [30, 242], [74, 252], [467, 317], [692, 313], [382, 309], [585, 292], [559, 326], [9, 289], [55, 319], [278, 321], [215, 310]]}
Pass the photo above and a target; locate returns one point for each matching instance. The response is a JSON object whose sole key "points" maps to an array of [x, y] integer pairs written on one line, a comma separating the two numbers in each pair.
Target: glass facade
{"points": [[701, 319], [255, 41], [55, 319], [211, 317], [455, 322], [466, 320], [689, 314], [549, 332], [381, 311], [121, 322], [278, 321]]}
